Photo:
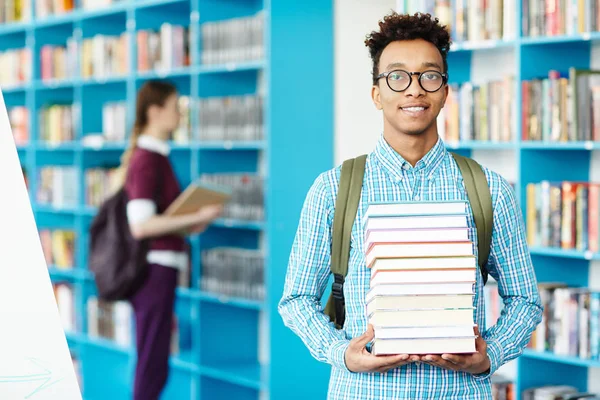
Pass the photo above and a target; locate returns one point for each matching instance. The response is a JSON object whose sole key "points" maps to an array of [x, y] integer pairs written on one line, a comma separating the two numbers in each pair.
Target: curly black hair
{"points": [[396, 26]]}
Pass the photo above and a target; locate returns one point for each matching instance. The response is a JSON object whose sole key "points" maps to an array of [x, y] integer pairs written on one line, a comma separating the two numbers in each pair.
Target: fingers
{"points": [[365, 338], [438, 361]]}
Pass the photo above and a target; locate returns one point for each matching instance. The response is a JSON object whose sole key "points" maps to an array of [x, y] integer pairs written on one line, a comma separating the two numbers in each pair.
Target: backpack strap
{"points": [[346, 205], [481, 204]]}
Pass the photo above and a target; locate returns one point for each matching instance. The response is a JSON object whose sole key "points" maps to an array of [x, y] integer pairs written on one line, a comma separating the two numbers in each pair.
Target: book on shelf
{"points": [[16, 67], [470, 20], [19, 124], [233, 272], [563, 215], [233, 40], [58, 246], [420, 299], [164, 48], [570, 323], [552, 18], [481, 112], [562, 107]]}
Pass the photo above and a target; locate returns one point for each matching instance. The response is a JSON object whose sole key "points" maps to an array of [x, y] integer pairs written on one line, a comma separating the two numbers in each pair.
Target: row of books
{"points": [[247, 199], [16, 67], [110, 320], [59, 62], [58, 246], [563, 215], [47, 8], [58, 123], [19, 123], [471, 20], [57, 186], [114, 321], [97, 4], [558, 392], [114, 121], [502, 388], [99, 183], [236, 118], [233, 272], [423, 270], [163, 49], [552, 18], [104, 56], [562, 107], [234, 40], [479, 112], [15, 11], [65, 301], [570, 322]]}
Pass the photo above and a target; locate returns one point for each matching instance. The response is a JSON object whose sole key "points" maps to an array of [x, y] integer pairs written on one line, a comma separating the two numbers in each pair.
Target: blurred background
{"points": [[264, 85]]}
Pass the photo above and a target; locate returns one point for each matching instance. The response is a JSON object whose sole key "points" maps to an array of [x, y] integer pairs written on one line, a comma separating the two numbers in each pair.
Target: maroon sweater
{"points": [[151, 174]]}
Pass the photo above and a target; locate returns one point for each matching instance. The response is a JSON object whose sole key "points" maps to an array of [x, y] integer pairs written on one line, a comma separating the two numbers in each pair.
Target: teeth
{"points": [[414, 108]]}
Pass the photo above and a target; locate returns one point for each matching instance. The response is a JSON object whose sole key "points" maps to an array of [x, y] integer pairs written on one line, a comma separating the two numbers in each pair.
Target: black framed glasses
{"points": [[399, 80]]}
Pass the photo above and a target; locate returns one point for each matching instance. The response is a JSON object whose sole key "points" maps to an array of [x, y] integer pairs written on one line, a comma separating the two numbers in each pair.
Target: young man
{"points": [[409, 163]]}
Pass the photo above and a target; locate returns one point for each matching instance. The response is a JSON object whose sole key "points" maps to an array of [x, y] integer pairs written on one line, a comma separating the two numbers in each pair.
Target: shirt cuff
{"points": [[495, 353], [337, 353]]}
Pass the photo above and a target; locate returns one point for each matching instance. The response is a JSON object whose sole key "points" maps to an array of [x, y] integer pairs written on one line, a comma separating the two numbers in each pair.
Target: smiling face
{"points": [[412, 111]]}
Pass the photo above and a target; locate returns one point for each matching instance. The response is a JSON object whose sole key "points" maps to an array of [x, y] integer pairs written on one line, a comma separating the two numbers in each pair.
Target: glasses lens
{"points": [[431, 80], [398, 80]]}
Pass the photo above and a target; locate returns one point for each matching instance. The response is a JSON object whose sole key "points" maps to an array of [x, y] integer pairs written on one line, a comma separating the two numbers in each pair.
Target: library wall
{"points": [[357, 122]]}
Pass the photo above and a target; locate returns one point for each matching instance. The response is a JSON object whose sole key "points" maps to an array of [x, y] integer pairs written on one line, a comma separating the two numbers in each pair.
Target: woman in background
{"points": [[151, 186]]}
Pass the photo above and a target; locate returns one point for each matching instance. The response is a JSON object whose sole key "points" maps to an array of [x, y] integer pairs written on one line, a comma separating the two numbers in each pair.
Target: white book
{"points": [[432, 249], [416, 235], [416, 222], [424, 346], [424, 276], [422, 332], [415, 208], [423, 289]]}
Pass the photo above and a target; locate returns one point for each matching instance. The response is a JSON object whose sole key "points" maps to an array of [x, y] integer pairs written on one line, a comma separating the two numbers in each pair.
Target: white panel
{"points": [[488, 65], [358, 124], [503, 162]]}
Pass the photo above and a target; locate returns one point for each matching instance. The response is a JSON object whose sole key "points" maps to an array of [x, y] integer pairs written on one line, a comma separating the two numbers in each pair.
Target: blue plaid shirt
{"points": [[388, 177]]}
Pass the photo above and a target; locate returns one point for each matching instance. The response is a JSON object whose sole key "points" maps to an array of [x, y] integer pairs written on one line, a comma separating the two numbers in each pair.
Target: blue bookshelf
{"points": [[536, 161], [230, 347]]}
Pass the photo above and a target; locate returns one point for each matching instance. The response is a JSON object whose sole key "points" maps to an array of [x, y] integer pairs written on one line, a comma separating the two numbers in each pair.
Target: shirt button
{"points": [[398, 179], [417, 197]]}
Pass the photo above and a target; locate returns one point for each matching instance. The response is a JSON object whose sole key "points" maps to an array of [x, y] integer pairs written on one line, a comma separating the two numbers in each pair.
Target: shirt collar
{"points": [[153, 144], [395, 164]]}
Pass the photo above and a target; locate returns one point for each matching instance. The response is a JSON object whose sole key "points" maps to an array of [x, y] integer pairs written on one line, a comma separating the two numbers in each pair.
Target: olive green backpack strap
{"points": [[346, 205], [478, 192]]}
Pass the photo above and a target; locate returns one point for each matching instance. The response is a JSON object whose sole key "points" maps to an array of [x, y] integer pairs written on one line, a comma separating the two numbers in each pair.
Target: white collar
{"points": [[151, 143]]}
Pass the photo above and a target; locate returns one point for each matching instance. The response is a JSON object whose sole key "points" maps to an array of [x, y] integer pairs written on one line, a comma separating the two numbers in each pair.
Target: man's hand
{"points": [[358, 359], [475, 363]]}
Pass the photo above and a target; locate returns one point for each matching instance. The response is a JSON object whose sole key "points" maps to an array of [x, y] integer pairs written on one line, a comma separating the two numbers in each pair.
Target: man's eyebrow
{"points": [[427, 64]]}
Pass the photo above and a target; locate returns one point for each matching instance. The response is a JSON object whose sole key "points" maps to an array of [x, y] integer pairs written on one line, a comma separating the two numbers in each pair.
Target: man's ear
{"points": [[376, 96]]}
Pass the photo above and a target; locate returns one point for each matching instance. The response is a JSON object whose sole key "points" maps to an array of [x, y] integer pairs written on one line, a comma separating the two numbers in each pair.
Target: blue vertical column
{"points": [[292, 138]]}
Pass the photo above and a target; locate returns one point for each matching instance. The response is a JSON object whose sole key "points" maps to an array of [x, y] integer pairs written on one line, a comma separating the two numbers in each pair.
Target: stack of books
{"points": [[423, 271]]}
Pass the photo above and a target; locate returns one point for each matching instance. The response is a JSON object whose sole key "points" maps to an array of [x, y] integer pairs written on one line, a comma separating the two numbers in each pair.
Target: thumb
{"points": [[366, 337]]}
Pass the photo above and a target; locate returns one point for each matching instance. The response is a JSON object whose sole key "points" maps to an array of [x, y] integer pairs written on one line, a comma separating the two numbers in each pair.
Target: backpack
{"points": [[478, 193], [116, 258]]}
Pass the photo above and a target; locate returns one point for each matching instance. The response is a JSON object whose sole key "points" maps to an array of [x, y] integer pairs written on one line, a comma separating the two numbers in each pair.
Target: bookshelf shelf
{"points": [[556, 252], [207, 321], [238, 372], [481, 145], [547, 356]]}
